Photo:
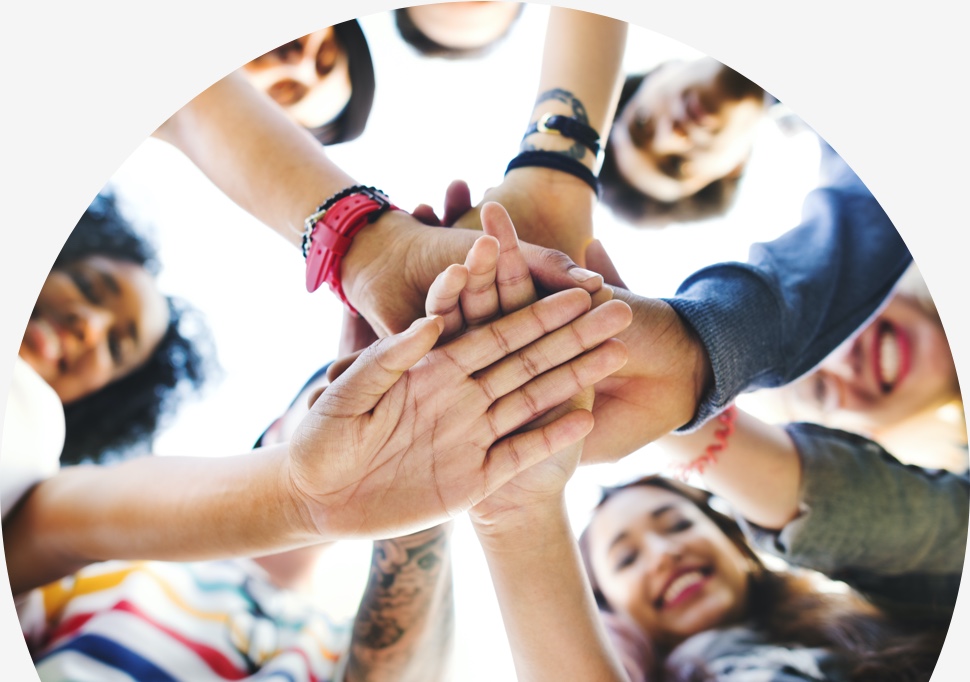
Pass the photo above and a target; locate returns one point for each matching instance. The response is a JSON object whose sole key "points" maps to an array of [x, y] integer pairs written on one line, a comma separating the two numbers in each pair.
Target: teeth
{"points": [[682, 583], [889, 359], [51, 347]]}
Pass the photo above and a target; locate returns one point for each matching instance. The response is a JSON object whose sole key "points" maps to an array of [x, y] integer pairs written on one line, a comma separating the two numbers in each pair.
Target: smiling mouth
{"points": [[891, 356], [682, 587]]}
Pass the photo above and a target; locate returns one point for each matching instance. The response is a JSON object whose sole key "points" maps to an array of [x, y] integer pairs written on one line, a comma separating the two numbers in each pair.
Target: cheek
{"points": [[89, 375]]}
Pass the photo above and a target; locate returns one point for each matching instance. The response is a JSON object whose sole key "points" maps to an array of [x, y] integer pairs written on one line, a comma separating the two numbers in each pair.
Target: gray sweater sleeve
{"points": [[766, 322], [895, 532]]}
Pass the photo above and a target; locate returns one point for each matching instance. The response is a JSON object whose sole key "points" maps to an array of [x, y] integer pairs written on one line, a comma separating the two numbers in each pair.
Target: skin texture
{"points": [[523, 527], [685, 128], [94, 322], [641, 540], [464, 25], [858, 385], [308, 77]]}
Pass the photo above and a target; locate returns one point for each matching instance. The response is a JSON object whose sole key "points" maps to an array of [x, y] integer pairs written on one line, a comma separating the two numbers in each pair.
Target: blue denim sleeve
{"points": [[766, 322], [897, 533]]}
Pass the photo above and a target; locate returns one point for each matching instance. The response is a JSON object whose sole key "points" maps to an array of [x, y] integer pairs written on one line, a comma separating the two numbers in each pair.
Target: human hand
{"points": [[548, 207], [659, 388], [408, 436], [392, 263], [495, 280]]}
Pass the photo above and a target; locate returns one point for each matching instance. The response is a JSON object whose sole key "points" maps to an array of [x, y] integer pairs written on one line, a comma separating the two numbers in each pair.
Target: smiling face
{"points": [[96, 320], [659, 559], [308, 77], [899, 366], [689, 124]]}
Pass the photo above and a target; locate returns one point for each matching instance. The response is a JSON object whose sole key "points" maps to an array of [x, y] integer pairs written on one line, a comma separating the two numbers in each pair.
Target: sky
{"points": [[433, 121]]}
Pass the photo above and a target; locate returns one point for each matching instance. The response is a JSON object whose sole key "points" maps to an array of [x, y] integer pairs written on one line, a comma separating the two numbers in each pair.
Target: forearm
{"points": [[580, 76], [251, 151], [758, 472], [550, 616], [766, 322], [405, 624], [165, 508]]}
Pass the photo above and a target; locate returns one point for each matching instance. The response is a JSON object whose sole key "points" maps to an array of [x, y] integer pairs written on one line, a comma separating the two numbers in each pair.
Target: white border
{"points": [[86, 82]]}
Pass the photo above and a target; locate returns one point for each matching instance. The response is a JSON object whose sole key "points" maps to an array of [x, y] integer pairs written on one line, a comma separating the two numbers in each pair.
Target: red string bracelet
{"points": [[712, 451]]}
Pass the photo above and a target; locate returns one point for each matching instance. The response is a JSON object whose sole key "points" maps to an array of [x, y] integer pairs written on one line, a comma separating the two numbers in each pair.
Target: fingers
{"points": [[355, 334], [458, 201], [479, 299], [556, 386], [554, 271], [552, 350], [378, 368], [425, 214], [339, 366], [514, 282], [599, 261], [444, 298], [517, 453], [481, 347]]}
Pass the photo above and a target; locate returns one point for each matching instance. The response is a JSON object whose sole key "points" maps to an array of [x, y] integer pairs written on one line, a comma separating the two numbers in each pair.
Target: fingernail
{"points": [[581, 274]]}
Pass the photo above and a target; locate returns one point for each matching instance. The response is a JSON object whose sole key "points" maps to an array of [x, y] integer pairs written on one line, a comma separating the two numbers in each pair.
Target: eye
{"points": [[85, 286], [680, 526], [625, 560]]}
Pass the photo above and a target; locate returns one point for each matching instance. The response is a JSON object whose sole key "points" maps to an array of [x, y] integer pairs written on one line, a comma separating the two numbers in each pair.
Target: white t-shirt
{"points": [[33, 435]]}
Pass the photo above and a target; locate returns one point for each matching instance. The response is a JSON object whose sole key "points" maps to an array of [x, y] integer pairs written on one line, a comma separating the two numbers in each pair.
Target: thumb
{"points": [[458, 201], [359, 389], [555, 271]]}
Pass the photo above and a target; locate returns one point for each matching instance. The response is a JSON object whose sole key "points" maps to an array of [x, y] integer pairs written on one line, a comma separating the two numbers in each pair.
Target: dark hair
{"points": [[789, 610], [633, 206], [427, 47], [126, 412], [352, 119]]}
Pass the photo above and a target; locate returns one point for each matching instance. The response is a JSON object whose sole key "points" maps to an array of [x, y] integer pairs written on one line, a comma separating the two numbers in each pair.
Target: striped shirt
{"points": [[197, 622]]}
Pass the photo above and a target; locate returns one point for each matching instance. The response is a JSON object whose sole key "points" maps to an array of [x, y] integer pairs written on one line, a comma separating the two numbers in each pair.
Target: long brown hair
{"points": [[790, 611]]}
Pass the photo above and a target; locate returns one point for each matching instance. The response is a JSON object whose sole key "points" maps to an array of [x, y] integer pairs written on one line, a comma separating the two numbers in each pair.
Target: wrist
{"points": [[520, 528]]}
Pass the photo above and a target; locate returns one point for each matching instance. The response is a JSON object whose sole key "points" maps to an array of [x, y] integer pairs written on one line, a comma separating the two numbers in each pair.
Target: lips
{"points": [[891, 356], [681, 586], [46, 340]]}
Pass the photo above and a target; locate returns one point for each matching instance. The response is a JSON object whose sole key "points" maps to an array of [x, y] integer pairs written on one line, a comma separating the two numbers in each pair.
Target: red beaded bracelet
{"points": [[329, 231], [712, 451]]}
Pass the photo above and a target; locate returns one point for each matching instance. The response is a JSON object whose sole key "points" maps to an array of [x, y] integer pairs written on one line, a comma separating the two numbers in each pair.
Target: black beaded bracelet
{"points": [[566, 126], [308, 224], [555, 161]]}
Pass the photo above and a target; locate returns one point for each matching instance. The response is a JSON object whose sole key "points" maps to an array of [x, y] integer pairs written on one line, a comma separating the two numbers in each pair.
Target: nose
{"points": [[662, 551], [90, 325], [669, 136]]}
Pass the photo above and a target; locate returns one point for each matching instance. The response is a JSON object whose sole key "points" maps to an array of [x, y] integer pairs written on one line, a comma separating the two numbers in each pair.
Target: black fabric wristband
{"points": [[567, 127], [555, 161]]}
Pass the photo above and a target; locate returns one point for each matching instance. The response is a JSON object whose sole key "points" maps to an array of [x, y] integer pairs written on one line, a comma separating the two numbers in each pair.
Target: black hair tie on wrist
{"points": [[566, 126], [555, 161]]}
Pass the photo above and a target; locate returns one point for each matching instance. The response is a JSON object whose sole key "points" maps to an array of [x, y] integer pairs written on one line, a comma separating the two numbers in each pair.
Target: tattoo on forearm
{"points": [[566, 97], [577, 151], [407, 576]]}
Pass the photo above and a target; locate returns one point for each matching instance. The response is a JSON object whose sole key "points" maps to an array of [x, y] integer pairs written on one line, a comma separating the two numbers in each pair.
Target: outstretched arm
{"points": [[279, 173], [734, 327], [580, 79], [335, 478], [547, 605], [404, 629]]}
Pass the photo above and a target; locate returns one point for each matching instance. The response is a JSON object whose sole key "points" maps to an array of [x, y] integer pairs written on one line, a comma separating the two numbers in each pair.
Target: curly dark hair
{"points": [[790, 611], [633, 206], [121, 418], [427, 47]]}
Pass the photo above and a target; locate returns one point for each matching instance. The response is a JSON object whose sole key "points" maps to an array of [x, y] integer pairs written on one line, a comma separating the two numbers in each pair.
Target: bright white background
{"points": [[271, 334]]}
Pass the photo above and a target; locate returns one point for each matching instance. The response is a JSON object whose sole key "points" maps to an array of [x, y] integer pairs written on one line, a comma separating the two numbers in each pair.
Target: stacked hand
{"points": [[411, 435], [495, 280]]}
